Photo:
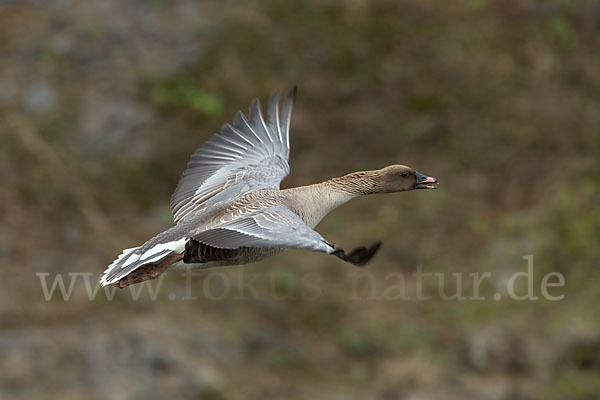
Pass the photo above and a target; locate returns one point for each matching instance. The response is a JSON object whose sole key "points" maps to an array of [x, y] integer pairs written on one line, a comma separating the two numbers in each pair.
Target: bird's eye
{"points": [[404, 174]]}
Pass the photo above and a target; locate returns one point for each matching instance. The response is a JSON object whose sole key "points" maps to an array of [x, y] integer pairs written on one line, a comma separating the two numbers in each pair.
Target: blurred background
{"points": [[101, 104]]}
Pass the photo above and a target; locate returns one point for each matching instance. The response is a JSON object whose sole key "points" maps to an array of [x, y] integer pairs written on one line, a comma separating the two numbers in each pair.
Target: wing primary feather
{"points": [[274, 113], [216, 154], [255, 110], [243, 119], [228, 127], [223, 148], [229, 135], [232, 141], [287, 114]]}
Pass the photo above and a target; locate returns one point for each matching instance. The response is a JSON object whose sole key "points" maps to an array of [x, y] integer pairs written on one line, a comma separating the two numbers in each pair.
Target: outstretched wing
{"points": [[250, 154], [275, 226]]}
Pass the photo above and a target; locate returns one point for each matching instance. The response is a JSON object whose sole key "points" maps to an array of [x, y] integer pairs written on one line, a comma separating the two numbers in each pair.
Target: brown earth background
{"points": [[102, 102]]}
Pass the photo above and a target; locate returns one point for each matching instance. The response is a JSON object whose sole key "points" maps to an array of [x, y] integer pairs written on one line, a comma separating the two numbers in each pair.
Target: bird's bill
{"points": [[425, 182]]}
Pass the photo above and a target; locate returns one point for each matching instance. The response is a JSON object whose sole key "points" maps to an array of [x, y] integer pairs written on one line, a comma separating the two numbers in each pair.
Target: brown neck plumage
{"points": [[356, 183]]}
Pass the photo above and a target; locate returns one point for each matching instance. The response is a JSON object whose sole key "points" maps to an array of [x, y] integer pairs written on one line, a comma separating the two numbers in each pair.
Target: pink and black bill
{"points": [[425, 182]]}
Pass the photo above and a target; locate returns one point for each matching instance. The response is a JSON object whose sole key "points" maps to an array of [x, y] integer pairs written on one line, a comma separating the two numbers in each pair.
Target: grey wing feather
{"points": [[250, 154], [275, 226]]}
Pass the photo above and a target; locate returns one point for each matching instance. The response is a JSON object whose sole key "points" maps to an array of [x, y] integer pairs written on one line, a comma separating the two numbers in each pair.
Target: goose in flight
{"points": [[229, 210]]}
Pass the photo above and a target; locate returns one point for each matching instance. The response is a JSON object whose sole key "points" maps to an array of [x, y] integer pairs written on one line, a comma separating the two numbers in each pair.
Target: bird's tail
{"points": [[157, 250]]}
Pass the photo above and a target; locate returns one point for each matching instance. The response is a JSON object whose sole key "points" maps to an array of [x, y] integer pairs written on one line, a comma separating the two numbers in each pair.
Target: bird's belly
{"points": [[244, 255]]}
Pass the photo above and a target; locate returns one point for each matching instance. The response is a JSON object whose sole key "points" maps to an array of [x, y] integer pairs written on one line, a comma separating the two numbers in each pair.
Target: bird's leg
{"points": [[359, 256]]}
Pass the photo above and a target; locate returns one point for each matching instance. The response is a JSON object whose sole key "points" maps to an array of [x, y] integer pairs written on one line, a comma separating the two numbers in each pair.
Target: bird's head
{"points": [[398, 178]]}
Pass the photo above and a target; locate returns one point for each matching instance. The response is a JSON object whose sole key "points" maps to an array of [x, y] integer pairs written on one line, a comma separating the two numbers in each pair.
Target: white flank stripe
{"points": [[176, 246]]}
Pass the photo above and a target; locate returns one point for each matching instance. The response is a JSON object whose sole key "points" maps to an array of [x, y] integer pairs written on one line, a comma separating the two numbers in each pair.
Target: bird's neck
{"points": [[355, 183], [313, 202]]}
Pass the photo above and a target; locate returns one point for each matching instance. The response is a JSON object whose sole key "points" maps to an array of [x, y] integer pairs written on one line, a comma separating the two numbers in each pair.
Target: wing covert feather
{"points": [[275, 226]]}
